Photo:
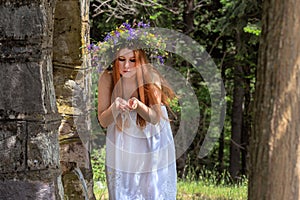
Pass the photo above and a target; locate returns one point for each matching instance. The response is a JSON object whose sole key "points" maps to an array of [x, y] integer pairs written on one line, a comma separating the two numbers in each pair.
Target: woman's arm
{"points": [[107, 111], [150, 114], [105, 115]]}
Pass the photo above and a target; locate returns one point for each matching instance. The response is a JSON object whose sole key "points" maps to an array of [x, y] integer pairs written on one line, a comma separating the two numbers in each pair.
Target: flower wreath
{"points": [[136, 36]]}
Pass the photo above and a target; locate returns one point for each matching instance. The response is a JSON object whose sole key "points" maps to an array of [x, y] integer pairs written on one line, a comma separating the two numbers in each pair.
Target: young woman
{"points": [[140, 153]]}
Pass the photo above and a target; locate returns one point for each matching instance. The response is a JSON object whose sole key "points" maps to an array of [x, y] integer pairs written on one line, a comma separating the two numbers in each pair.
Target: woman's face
{"points": [[126, 60]]}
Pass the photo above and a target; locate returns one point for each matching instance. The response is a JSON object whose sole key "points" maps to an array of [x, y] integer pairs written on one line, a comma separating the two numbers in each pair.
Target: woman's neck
{"points": [[129, 80], [129, 86]]}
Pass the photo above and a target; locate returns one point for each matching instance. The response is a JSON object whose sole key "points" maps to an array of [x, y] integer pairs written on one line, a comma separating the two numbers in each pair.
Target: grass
{"points": [[195, 190], [207, 186], [200, 190], [101, 192]]}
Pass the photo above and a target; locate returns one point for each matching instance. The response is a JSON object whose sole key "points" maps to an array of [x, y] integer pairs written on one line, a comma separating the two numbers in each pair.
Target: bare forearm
{"points": [[149, 114], [107, 117]]}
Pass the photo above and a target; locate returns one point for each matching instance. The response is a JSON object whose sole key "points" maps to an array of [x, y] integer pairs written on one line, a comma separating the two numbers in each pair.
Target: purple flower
{"points": [[115, 39], [161, 59], [95, 48], [146, 25], [90, 46], [141, 24], [132, 34], [126, 25], [100, 69], [117, 33], [107, 37]]}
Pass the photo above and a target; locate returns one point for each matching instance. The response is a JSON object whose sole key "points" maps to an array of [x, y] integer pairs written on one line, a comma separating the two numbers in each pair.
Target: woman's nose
{"points": [[126, 64]]}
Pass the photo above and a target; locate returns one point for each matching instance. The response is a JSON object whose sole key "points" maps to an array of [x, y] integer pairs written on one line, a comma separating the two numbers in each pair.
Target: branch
{"points": [[156, 4], [215, 43], [199, 5], [125, 7], [102, 4]]}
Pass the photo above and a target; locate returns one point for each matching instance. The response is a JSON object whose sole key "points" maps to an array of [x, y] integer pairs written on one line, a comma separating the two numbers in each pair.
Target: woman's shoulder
{"points": [[106, 74], [106, 77]]}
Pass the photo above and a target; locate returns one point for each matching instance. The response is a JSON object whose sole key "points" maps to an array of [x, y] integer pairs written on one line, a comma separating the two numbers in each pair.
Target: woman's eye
{"points": [[122, 59], [132, 60]]}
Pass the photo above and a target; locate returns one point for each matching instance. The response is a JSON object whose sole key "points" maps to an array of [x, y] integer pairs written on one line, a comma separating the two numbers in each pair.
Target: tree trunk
{"points": [[72, 80], [246, 130], [222, 135], [188, 16], [274, 143], [221, 152], [237, 117]]}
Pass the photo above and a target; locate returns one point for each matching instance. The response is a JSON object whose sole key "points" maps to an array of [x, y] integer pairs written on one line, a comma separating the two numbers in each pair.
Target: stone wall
{"points": [[44, 90], [72, 80], [29, 150]]}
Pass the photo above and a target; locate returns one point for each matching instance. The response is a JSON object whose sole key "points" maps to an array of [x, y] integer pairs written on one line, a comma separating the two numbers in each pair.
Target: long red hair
{"points": [[146, 87]]}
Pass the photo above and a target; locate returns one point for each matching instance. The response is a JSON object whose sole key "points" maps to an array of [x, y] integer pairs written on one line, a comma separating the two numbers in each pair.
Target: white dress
{"points": [[141, 163]]}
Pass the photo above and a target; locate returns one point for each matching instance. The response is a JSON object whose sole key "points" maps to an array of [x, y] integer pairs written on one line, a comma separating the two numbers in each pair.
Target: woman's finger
{"points": [[132, 103]]}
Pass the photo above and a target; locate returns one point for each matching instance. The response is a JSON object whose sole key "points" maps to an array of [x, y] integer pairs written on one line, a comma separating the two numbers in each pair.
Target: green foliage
{"points": [[253, 29], [99, 177], [174, 105], [228, 30], [136, 34], [203, 183], [155, 16], [199, 190], [98, 164], [207, 185]]}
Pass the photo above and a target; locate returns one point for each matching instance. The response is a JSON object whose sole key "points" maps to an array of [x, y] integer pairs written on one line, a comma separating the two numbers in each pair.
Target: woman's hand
{"points": [[121, 105], [133, 103]]}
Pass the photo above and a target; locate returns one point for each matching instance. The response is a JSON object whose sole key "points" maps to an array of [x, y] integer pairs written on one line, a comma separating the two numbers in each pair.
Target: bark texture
{"points": [[274, 144], [237, 121]]}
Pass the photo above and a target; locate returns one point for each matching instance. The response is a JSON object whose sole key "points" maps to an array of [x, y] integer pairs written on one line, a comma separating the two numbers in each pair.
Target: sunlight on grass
{"points": [[100, 191], [199, 190], [207, 185], [194, 190]]}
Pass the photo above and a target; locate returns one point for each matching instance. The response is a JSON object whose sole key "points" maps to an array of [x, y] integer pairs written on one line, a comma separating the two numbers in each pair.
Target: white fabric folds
{"points": [[141, 163]]}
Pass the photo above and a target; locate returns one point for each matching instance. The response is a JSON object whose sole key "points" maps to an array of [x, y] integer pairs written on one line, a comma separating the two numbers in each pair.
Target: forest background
{"points": [[229, 31]]}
